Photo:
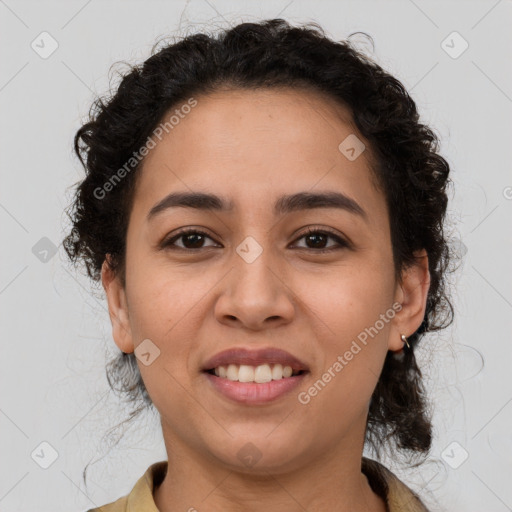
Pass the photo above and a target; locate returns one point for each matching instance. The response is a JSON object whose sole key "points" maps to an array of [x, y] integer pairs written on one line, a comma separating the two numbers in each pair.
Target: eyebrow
{"points": [[284, 204]]}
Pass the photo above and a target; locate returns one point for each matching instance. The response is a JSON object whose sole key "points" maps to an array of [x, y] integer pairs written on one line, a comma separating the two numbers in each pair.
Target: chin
{"points": [[261, 452]]}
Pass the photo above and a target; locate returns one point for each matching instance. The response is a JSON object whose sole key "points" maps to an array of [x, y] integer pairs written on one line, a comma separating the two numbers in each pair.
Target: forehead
{"points": [[275, 117], [254, 145]]}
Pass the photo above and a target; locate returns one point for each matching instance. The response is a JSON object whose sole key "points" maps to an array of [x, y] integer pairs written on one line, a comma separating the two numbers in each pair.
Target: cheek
{"points": [[160, 298], [354, 312], [167, 306], [161, 309], [350, 299]]}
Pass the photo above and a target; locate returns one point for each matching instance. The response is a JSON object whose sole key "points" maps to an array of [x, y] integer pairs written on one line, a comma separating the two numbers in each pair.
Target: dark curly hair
{"points": [[405, 165]]}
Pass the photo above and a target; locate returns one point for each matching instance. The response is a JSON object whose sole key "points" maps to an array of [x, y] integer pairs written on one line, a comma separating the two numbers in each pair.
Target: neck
{"points": [[333, 481]]}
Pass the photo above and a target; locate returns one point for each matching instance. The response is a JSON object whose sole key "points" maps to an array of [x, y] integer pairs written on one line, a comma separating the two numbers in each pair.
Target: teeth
{"points": [[232, 372], [260, 374], [277, 371], [245, 373]]}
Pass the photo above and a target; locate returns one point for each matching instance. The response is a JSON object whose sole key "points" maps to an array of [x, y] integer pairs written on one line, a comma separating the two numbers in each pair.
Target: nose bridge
{"points": [[255, 264], [256, 291]]}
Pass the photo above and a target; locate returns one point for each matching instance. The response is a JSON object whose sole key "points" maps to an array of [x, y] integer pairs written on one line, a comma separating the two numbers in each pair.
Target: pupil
{"points": [[316, 237], [195, 239], [191, 236]]}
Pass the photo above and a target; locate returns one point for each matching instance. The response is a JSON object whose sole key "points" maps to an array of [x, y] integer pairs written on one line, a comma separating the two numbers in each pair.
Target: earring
{"points": [[404, 339]]}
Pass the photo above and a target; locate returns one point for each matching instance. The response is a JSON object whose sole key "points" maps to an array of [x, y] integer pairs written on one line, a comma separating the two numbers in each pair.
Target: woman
{"points": [[265, 213]]}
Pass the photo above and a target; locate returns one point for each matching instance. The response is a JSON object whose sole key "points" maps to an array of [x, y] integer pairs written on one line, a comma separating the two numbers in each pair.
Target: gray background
{"points": [[55, 331]]}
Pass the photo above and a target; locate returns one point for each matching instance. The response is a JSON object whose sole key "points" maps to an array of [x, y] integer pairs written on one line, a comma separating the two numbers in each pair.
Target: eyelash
{"points": [[342, 244]]}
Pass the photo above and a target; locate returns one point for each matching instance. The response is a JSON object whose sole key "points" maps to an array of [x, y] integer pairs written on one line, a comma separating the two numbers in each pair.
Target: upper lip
{"points": [[254, 358]]}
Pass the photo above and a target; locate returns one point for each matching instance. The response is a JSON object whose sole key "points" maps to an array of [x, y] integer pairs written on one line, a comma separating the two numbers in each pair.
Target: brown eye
{"points": [[316, 240], [191, 239]]}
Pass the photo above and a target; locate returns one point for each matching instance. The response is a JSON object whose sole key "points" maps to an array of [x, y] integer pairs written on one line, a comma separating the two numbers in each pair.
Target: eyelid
{"points": [[166, 242], [342, 242]]}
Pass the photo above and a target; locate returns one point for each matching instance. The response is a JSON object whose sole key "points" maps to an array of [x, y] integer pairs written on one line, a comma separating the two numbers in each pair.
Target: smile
{"points": [[239, 383], [260, 374]]}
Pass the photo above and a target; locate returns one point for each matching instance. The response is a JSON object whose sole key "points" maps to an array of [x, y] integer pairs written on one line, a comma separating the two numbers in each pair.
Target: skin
{"points": [[252, 147]]}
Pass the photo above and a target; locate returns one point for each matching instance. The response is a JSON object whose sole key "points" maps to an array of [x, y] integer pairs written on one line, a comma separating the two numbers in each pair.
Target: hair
{"points": [[273, 54]]}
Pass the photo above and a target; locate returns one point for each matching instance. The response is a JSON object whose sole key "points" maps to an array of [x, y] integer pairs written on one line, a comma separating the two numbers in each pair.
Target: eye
{"points": [[318, 238], [192, 240]]}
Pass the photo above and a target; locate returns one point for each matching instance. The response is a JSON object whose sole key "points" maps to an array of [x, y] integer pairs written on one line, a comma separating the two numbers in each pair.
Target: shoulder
{"points": [[397, 495], [120, 505], [141, 495]]}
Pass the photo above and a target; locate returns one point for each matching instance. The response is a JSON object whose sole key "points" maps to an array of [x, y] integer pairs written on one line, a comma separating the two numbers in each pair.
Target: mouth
{"points": [[254, 376], [253, 393], [243, 360], [259, 374]]}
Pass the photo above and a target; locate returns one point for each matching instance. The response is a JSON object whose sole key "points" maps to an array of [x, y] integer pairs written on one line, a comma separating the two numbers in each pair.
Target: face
{"points": [[310, 278]]}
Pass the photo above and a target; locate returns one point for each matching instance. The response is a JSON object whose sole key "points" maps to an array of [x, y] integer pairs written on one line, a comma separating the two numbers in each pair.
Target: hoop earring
{"points": [[404, 339]]}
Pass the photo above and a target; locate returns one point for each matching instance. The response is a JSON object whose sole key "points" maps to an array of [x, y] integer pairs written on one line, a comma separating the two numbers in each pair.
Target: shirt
{"points": [[396, 495]]}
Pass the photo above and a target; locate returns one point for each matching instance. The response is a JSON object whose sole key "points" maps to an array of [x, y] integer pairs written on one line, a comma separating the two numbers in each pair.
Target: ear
{"points": [[117, 308], [412, 295]]}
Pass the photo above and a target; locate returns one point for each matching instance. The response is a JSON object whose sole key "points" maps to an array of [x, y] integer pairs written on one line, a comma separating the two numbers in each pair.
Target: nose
{"points": [[255, 294]]}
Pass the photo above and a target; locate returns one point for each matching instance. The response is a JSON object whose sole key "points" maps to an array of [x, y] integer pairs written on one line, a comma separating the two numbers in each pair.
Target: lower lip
{"points": [[252, 392]]}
